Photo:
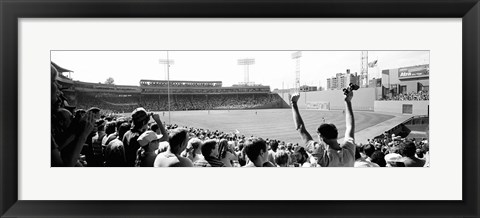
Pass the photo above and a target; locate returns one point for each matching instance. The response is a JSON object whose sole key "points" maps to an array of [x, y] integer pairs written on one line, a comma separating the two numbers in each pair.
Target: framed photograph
{"points": [[264, 83]]}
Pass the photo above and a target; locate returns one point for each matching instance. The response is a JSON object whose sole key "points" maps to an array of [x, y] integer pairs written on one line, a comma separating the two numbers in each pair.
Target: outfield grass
{"points": [[270, 123]]}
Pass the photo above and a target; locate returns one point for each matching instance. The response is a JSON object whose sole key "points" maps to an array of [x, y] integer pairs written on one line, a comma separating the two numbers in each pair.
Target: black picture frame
{"points": [[12, 10]]}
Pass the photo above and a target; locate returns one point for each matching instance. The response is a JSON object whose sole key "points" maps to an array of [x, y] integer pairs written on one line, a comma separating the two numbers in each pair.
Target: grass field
{"points": [[270, 123]]}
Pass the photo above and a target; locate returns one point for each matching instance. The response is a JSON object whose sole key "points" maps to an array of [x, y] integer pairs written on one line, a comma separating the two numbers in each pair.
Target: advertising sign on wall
{"points": [[413, 72]]}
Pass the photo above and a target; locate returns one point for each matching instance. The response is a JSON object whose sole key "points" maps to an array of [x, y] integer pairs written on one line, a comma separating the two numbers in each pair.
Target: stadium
{"points": [[256, 110], [383, 121]]}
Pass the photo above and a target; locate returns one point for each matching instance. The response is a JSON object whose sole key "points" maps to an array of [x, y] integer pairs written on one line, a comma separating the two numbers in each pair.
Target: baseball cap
{"points": [[139, 115], [393, 157], [147, 137]]}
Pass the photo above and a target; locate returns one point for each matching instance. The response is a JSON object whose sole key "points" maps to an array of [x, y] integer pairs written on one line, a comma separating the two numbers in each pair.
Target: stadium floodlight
{"points": [[364, 68], [167, 62], [246, 62], [297, 55]]}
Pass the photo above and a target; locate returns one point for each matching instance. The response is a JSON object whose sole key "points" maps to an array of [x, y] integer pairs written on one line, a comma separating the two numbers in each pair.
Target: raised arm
{"points": [[349, 119], [71, 152], [297, 119], [156, 117]]}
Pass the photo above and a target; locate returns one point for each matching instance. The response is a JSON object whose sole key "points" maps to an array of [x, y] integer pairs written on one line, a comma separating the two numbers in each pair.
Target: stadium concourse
{"points": [[100, 125]]}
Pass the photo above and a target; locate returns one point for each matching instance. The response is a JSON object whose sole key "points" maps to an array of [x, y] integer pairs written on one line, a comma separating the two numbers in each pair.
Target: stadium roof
{"points": [[183, 81], [60, 69]]}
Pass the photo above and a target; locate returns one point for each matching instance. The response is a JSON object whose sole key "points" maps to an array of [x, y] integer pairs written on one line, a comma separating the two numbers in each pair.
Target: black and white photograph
{"points": [[166, 108], [240, 108]]}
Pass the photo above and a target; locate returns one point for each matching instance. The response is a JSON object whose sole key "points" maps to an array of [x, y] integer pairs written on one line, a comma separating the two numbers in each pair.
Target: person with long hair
{"points": [[226, 154]]}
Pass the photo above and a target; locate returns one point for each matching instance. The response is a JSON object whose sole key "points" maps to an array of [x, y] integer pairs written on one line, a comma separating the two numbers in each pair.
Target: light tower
{"points": [[297, 55], [246, 62], [167, 62], [364, 69]]}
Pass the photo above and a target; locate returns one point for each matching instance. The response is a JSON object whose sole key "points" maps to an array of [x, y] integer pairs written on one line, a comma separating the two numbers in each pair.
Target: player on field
{"points": [[328, 152]]}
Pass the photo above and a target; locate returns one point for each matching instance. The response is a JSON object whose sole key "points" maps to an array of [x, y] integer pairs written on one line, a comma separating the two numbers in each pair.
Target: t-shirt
{"points": [[328, 157], [167, 159]]}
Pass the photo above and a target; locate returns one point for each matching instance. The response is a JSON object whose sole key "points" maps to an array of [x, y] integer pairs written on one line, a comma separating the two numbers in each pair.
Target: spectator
{"points": [[226, 155], [177, 140], [110, 129], [379, 158], [193, 151], [273, 149], [210, 153], [140, 120], [149, 141], [407, 150], [256, 150], [281, 158], [67, 156], [368, 151], [329, 153], [115, 151], [61, 127], [394, 160], [154, 127], [360, 161], [98, 157]]}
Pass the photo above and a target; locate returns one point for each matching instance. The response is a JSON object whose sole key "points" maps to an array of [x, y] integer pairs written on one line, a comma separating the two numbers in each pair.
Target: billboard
{"points": [[413, 72]]}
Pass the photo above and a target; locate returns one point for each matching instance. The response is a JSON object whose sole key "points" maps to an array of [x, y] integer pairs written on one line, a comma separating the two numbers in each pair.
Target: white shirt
{"points": [[328, 157]]}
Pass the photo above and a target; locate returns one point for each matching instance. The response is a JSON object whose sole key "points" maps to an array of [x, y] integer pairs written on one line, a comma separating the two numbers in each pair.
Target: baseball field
{"points": [[270, 123]]}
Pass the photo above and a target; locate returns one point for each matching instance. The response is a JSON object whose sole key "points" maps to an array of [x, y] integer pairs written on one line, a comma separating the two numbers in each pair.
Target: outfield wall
{"points": [[363, 99], [417, 107]]}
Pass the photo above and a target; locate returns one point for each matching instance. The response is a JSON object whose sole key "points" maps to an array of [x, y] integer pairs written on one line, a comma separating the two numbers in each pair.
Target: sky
{"points": [[273, 68]]}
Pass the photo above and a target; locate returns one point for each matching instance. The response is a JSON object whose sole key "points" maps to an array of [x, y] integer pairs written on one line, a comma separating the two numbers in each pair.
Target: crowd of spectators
{"points": [[86, 138], [126, 104], [412, 96], [180, 84]]}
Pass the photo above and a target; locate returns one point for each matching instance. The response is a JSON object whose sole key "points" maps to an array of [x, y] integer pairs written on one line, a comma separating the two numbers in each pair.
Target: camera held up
{"points": [[351, 87]]}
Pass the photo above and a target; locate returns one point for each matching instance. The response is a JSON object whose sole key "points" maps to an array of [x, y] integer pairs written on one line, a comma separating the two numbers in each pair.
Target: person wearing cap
{"points": [[329, 153], [149, 141], [140, 119], [394, 160], [177, 140]]}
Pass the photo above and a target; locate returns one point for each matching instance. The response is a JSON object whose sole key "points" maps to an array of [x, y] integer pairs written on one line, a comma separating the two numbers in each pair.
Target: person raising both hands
{"points": [[328, 152]]}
